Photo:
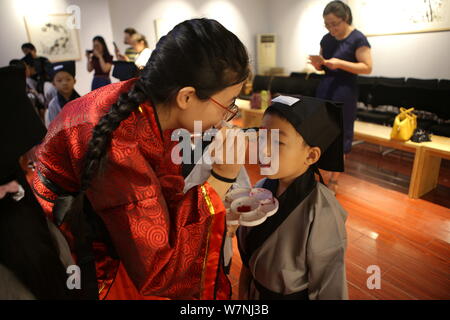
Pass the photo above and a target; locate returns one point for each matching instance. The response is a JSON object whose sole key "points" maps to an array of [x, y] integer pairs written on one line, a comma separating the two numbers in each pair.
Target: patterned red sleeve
{"points": [[176, 256]]}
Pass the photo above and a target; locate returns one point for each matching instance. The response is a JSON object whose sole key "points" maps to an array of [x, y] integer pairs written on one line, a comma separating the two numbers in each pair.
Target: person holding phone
{"points": [[100, 61], [130, 52], [140, 45], [344, 53]]}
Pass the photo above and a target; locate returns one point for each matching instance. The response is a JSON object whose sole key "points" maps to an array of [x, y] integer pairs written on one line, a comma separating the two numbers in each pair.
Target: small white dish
{"points": [[270, 208], [235, 194], [255, 220], [246, 206], [263, 195]]}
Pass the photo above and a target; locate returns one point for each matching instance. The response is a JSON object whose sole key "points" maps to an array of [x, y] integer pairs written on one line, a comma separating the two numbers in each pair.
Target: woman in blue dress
{"points": [[344, 53]]}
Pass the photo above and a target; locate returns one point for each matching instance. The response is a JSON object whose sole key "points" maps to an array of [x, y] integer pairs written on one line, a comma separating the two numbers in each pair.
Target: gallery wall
{"points": [[299, 26], [95, 20], [297, 23], [244, 18]]}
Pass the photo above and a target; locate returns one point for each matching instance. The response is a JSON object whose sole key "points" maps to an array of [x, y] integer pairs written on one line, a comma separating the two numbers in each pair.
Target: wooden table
{"points": [[427, 155]]}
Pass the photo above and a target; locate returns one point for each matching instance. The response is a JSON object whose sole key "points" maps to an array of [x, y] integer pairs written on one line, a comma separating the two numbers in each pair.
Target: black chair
{"points": [[383, 118], [261, 83], [298, 75], [440, 129], [394, 81], [422, 83], [365, 86], [390, 94], [294, 85], [444, 84]]}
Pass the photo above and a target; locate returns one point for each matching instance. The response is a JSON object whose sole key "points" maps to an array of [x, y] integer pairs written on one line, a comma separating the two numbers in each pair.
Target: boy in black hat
{"points": [[298, 253], [63, 75]]}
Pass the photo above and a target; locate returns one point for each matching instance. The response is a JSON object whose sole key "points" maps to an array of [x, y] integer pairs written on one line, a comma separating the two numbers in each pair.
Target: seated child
{"points": [[64, 81], [298, 253]]}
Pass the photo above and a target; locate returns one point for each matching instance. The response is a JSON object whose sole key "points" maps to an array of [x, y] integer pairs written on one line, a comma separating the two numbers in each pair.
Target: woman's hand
{"points": [[234, 148], [316, 61], [10, 187], [333, 63]]}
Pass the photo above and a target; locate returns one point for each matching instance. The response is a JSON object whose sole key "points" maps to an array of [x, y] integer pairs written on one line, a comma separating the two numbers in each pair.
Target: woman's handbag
{"points": [[404, 125]]}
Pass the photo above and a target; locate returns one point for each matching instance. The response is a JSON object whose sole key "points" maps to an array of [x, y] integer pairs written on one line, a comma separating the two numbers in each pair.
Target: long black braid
{"points": [[101, 135]]}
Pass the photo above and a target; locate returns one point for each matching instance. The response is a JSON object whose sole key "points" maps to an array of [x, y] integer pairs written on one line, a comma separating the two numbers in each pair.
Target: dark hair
{"points": [[28, 60], [139, 37], [200, 53], [100, 39], [17, 63], [28, 45], [275, 112], [340, 10], [130, 31]]}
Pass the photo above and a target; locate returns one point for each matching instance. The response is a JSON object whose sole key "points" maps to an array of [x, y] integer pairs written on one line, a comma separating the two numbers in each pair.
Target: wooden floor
{"points": [[408, 239]]}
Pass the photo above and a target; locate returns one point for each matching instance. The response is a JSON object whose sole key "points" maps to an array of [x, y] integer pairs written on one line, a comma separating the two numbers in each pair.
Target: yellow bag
{"points": [[404, 125]]}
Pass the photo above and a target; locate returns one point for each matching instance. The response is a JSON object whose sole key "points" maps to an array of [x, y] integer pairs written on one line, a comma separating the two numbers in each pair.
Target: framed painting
{"points": [[54, 37], [385, 17]]}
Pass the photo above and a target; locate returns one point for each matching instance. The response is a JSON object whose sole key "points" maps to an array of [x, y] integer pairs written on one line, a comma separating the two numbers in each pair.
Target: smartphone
{"points": [[89, 51], [316, 58], [115, 45]]}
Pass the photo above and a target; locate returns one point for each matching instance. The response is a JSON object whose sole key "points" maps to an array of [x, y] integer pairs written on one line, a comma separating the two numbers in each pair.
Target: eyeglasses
{"points": [[232, 110], [333, 25]]}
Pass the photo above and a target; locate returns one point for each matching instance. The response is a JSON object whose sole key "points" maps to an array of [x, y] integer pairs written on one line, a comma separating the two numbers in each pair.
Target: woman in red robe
{"points": [[114, 145]]}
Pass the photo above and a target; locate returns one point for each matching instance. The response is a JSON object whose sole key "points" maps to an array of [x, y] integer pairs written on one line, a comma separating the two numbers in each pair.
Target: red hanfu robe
{"points": [[169, 243]]}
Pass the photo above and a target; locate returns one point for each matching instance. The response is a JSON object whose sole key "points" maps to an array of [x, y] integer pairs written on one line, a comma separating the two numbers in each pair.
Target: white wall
{"points": [[421, 55], [244, 18], [299, 26], [95, 20]]}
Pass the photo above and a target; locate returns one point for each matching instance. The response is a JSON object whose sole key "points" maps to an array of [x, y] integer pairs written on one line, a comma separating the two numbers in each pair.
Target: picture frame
{"points": [[54, 37], [390, 17]]}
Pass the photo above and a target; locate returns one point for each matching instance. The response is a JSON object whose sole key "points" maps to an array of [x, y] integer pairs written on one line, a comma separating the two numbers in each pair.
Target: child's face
{"points": [[64, 82], [294, 156]]}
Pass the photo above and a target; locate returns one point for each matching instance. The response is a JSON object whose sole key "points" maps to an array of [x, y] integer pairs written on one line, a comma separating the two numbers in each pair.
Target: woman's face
{"points": [[335, 25], [209, 112], [97, 46]]}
